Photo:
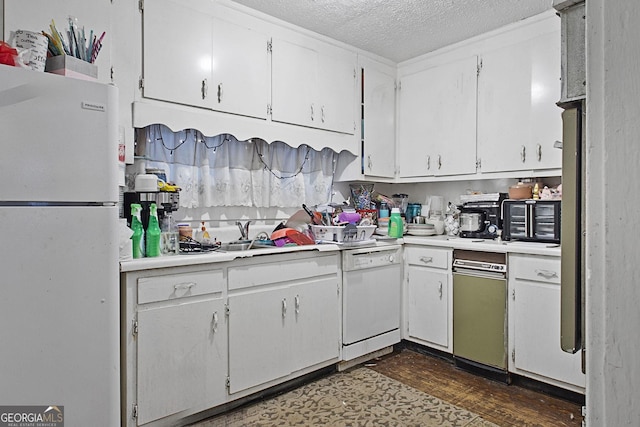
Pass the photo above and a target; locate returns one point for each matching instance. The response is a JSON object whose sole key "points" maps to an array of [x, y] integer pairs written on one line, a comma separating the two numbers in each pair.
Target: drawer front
{"points": [[535, 268], [162, 288], [429, 257], [280, 272]]}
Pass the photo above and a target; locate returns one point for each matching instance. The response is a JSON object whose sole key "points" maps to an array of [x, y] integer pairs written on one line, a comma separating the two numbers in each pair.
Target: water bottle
{"points": [[138, 231], [153, 233], [396, 228]]}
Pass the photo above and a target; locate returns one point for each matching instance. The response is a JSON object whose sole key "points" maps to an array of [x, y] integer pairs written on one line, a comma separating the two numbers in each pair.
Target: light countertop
{"points": [[530, 248]]}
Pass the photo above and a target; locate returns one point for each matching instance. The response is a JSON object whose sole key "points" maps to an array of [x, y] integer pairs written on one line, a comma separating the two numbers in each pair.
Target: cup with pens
{"points": [[75, 42]]}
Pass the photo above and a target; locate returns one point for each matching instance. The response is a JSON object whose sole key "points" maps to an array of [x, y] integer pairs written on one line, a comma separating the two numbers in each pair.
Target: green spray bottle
{"points": [[152, 235], [138, 230]]}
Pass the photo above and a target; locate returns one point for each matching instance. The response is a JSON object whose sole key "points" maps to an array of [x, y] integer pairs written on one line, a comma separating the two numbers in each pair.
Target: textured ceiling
{"points": [[399, 29]]}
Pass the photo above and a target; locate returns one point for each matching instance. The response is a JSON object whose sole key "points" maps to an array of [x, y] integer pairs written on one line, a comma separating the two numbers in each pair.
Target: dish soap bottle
{"points": [[153, 233], [138, 231], [396, 228], [205, 234]]}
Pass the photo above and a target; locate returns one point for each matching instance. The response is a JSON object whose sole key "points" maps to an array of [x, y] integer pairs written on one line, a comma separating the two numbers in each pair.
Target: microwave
{"points": [[531, 220]]}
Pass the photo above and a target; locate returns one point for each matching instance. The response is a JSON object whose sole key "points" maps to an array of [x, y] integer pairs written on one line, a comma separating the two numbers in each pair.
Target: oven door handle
{"points": [[479, 273]]}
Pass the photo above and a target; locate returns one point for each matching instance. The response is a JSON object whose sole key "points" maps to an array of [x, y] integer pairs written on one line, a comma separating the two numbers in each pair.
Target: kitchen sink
{"points": [[242, 245]]}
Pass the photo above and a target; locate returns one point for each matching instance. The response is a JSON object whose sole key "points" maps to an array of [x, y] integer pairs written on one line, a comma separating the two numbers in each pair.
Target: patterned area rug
{"points": [[359, 397]]}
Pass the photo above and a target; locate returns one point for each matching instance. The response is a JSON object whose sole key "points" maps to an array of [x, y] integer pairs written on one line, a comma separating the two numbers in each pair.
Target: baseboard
{"points": [[344, 365]]}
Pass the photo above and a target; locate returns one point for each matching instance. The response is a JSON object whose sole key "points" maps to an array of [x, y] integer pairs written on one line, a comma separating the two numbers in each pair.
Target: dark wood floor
{"points": [[502, 404]]}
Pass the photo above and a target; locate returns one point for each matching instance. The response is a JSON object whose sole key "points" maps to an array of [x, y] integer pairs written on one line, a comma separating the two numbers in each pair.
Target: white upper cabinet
{"points": [[240, 70], [378, 119], [192, 58], [294, 83], [177, 49], [518, 86], [437, 120], [313, 85], [337, 90]]}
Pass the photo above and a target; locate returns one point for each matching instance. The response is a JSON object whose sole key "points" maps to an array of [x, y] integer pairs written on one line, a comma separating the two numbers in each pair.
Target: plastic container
{"points": [[152, 241], [138, 231], [413, 210], [383, 212], [396, 227], [361, 195], [336, 233]]}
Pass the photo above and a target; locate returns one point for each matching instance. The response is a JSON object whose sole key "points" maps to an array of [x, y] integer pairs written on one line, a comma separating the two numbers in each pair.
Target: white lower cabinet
{"points": [[197, 337], [181, 358], [534, 317], [282, 320], [428, 314], [175, 342]]}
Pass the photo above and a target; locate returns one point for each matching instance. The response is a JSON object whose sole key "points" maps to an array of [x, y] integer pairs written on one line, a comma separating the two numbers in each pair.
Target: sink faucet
{"points": [[244, 230]]}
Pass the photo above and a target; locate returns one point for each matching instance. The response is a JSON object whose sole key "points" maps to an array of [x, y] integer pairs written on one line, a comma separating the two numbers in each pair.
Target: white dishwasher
{"points": [[371, 281]]}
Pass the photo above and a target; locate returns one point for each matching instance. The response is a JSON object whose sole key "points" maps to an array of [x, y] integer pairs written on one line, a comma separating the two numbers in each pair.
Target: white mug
{"points": [[35, 43]]}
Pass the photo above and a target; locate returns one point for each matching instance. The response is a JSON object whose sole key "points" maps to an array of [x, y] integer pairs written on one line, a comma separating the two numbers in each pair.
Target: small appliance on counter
{"points": [[531, 220], [147, 192], [479, 216]]}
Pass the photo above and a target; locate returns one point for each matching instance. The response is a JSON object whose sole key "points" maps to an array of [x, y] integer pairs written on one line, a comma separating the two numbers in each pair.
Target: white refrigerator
{"points": [[59, 288]]}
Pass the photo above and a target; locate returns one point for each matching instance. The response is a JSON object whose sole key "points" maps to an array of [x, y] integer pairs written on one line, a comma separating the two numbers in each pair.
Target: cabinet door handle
{"points": [[284, 307], [186, 285], [322, 114], [547, 274], [369, 162], [439, 161], [426, 259], [312, 113], [219, 93], [428, 162], [215, 322], [297, 300], [539, 151], [204, 89], [440, 290], [523, 153]]}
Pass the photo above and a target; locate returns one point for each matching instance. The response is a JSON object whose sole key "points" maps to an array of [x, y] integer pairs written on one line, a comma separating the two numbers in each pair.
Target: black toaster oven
{"points": [[531, 220]]}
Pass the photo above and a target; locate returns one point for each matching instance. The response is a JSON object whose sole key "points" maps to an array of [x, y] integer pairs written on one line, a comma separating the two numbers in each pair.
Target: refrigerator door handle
{"points": [[571, 310]]}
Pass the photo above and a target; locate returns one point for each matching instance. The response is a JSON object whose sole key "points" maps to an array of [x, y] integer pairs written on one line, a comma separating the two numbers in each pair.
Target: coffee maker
{"points": [[165, 201], [146, 193]]}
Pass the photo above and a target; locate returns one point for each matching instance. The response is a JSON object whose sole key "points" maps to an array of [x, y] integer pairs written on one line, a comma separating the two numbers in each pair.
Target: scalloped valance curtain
{"points": [[222, 171]]}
